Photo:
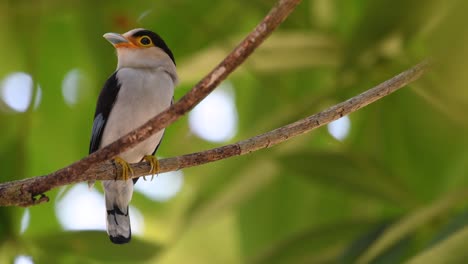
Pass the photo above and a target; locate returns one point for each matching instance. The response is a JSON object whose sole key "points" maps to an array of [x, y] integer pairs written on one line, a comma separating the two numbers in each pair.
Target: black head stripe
{"points": [[157, 40]]}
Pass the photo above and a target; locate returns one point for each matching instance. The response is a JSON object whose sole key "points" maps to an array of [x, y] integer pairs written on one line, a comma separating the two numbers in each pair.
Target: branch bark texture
{"points": [[21, 192]]}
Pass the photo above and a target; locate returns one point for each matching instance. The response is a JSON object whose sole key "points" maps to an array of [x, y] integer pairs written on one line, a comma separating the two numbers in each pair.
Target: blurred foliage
{"points": [[394, 190]]}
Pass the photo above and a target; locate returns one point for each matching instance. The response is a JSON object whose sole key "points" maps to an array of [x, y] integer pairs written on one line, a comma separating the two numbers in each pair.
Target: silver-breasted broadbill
{"points": [[140, 88]]}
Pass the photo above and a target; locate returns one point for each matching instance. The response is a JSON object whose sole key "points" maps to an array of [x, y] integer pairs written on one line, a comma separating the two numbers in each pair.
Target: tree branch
{"points": [[106, 171], [12, 192], [24, 193]]}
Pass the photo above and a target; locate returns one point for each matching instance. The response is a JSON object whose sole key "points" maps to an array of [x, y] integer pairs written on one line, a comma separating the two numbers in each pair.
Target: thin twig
{"points": [[12, 192]]}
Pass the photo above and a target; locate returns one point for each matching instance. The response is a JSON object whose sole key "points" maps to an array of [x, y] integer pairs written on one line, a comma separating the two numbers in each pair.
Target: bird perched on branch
{"points": [[140, 88]]}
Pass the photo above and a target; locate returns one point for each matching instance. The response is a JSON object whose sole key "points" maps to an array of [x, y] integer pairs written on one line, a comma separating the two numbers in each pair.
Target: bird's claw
{"points": [[126, 169], [153, 161]]}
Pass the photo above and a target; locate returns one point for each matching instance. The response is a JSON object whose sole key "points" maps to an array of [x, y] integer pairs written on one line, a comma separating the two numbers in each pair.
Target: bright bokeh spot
{"points": [[25, 220], [17, 91], [215, 118], [163, 187], [73, 85], [82, 208], [339, 129], [137, 221], [23, 259]]}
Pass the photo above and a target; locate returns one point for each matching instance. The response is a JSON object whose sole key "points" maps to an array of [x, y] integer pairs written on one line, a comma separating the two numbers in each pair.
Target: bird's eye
{"points": [[145, 41]]}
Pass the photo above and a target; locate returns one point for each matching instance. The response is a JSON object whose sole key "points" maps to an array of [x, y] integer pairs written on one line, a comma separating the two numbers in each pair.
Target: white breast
{"points": [[143, 94]]}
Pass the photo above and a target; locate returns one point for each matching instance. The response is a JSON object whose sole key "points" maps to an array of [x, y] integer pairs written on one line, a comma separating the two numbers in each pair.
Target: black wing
{"points": [[106, 101]]}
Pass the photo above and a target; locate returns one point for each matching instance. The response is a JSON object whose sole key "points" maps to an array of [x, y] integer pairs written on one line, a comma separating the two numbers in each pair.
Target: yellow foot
{"points": [[153, 161], [126, 169]]}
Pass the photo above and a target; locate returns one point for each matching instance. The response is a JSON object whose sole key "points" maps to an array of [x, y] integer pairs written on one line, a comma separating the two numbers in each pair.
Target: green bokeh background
{"points": [[394, 191]]}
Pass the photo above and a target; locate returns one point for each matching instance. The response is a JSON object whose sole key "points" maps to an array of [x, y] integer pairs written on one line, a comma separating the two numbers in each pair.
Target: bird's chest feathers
{"points": [[142, 95], [143, 92]]}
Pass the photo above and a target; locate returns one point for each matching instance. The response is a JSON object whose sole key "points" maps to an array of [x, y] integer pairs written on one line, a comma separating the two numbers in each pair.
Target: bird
{"points": [[141, 87]]}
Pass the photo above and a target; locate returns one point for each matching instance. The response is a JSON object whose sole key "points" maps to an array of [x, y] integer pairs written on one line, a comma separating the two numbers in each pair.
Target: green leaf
{"points": [[288, 206], [230, 194], [89, 246], [449, 250], [308, 243], [456, 224], [410, 223], [352, 173], [394, 254]]}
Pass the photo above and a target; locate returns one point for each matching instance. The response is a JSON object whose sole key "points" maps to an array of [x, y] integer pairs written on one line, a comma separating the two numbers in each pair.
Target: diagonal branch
{"points": [[13, 193], [25, 195]]}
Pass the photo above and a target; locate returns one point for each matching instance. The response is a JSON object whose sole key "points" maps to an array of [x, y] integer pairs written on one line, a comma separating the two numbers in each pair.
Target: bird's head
{"points": [[140, 48]]}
